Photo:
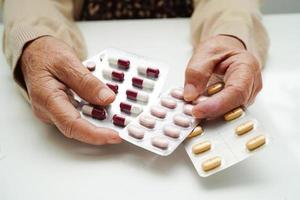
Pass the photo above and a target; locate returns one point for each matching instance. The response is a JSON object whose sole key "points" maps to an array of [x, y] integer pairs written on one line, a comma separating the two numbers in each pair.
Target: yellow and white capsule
{"points": [[211, 163], [256, 142], [235, 113], [201, 147], [244, 128], [215, 88], [198, 130]]}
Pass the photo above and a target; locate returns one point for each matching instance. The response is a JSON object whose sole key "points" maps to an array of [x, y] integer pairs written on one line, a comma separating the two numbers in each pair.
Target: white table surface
{"points": [[37, 162]]}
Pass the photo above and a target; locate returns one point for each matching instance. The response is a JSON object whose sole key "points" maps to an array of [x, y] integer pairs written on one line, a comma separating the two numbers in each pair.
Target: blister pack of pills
{"points": [[137, 82], [218, 144], [164, 125]]}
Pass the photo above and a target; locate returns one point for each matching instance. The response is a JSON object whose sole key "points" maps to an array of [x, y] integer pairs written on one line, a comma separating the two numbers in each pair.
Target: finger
{"points": [[199, 71], [84, 83], [238, 86], [70, 123]]}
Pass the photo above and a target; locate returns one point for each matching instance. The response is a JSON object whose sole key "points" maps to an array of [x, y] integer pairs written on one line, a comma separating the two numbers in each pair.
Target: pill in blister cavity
{"points": [[121, 63], [97, 113], [147, 121], [148, 71], [142, 83], [199, 99], [171, 131], [158, 112], [244, 128], [201, 147], [215, 88], [181, 120], [114, 87], [255, 142], [137, 96], [168, 102], [119, 120], [187, 109], [235, 113], [113, 74], [136, 132], [160, 142], [129, 108], [91, 66], [211, 163], [177, 93], [198, 130]]}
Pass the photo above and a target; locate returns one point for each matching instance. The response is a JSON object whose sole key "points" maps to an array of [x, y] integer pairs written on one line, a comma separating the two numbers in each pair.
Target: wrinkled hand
{"points": [[50, 67], [240, 70]]}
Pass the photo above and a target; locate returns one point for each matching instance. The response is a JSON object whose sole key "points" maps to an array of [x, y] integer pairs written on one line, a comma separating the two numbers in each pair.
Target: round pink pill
{"points": [[181, 120], [171, 131], [177, 93], [158, 112], [147, 121], [160, 142], [187, 109], [136, 132], [168, 102]]}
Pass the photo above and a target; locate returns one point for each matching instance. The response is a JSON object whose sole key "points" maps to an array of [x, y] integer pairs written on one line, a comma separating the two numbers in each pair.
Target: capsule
{"points": [[137, 96], [136, 132], [97, 113], [142, 83], [201, 147], [211, 163], [181, 120], [235, 113], [120, 63], [147, 121], [198, 130], [130, 109], [244, 128], [158, 112], [172, 131], [113, 74], [148, 71], [160, 142], [168, 102], [119, 120], [91, 66], [177, 93], [256, 142], [114, 87], [187, 109], [215, 88]]}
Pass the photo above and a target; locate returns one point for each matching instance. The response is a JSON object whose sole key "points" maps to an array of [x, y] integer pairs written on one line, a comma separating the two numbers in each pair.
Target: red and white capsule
{"points": [[113, 74], [97, 113], [137, 96], [120, 120], [119, 62], [114, 87], [148, 71], [142, 83], [129, 108]]}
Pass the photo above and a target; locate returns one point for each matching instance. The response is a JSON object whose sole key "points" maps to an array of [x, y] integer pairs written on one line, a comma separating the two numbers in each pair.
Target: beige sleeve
{"points": [[239, 18], [27, 20]]}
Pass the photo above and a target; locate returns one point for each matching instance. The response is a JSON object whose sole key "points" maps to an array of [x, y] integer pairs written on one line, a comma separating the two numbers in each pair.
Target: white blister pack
{"points": [[222, 143], [136, 80], [164, 125]]}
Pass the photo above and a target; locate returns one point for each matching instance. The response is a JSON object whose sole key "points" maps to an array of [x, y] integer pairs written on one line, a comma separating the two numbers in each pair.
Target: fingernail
{"points": [[190, 92], [105, 94]]}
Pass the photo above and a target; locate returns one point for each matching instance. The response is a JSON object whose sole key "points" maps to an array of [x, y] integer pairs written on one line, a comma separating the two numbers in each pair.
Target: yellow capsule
{"points": [[197, 131], [244, 128], [201, 147], [256, 142], [235, 113], [215, 88], [211, 163]]}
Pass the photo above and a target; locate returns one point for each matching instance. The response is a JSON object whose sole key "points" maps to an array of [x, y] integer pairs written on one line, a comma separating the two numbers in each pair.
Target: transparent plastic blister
{"points": [[113, 65], [166, 129], [225, 142]]}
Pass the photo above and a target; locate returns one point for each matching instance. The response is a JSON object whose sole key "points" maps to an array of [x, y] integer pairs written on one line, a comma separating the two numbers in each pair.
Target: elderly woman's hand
{"points": [[50, 67], [226, 56]]}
